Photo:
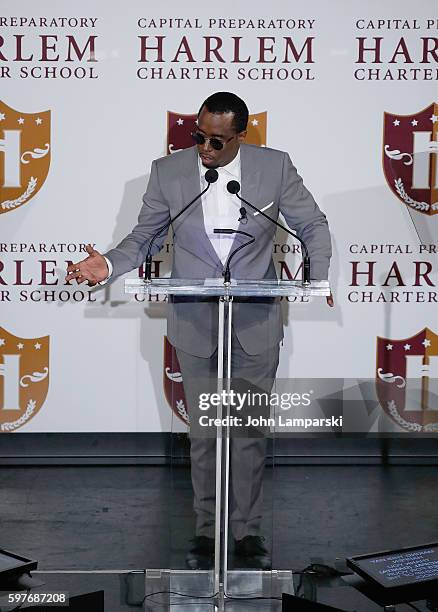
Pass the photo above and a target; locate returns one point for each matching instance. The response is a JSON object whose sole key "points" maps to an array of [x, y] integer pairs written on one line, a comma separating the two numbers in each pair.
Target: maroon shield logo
{"points": [[410, 160], [179, 130], [173, 383], [406, 377]]}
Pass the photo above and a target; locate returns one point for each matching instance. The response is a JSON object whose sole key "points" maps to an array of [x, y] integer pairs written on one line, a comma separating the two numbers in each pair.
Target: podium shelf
{"points": [[216, 287]]}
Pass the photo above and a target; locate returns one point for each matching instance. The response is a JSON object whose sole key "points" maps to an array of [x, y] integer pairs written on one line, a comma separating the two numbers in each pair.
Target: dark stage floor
{"points": [[136, 517]]}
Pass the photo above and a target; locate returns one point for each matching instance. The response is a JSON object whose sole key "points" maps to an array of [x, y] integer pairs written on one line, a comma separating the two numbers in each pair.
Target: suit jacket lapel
{"points": [[249, 187], [191, 186], [250, 175]]}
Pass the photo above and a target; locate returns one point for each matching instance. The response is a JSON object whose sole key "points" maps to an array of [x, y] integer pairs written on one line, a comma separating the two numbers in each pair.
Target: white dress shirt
{"points": [[220, 209]]}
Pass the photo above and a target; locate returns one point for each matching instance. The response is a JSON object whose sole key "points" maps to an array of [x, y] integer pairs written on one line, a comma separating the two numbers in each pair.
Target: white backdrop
{"points": [[105, 357]]}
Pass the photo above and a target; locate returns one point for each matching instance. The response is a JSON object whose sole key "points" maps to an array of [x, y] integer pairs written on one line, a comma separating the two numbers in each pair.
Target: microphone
{"points": [[243, 215], [227, 273], [211, 176], [234, 187]]}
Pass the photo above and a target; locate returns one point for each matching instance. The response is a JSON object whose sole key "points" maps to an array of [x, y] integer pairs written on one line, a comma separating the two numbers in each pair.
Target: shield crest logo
{"points": [[180, 127], [257, 128], [25, 159], [410, 158], [406, 380], [24, 378], [173, 383]]}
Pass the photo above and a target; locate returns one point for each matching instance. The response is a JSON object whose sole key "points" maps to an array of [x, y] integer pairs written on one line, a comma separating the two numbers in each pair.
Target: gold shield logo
{"points": [[24, 378], [256, 131], [25, 155]]}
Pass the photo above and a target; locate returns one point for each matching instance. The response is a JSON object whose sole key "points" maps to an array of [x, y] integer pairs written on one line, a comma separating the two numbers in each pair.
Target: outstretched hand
{"points": [[93, 269]]}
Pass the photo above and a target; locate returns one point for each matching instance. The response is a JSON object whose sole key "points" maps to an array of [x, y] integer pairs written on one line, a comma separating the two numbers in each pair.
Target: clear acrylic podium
{"points": [[221, 581]]}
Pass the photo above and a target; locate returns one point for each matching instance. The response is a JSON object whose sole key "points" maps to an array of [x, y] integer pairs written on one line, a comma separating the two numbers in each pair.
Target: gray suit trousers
{"points": [[247, 447]]}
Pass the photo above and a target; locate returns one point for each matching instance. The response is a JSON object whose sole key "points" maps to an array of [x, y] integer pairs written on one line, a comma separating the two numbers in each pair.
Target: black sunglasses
{"points": [[217, 144]]}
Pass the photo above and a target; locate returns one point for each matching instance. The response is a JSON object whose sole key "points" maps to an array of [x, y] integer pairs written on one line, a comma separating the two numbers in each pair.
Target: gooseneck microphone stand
{"points": [[234, 188], [211, 176]]}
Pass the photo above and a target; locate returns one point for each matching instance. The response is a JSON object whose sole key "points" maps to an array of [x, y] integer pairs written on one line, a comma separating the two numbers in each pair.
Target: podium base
{"points": [[194, 590]]}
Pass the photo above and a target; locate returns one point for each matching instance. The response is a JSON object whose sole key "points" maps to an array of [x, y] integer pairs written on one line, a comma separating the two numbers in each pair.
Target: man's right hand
{"points": [[93, 269]]}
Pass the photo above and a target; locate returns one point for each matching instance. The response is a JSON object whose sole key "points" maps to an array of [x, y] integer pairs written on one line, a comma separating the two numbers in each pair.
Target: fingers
{"points": [[74, 270], [330, 300], [91, 252], [76, 266], [80, 278], [80, 273], [72, 274], [77, 275], [73, 267]]}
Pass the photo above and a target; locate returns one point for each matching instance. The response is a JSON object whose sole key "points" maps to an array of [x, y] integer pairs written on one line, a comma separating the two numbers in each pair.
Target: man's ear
{"points": [[241, 136]]}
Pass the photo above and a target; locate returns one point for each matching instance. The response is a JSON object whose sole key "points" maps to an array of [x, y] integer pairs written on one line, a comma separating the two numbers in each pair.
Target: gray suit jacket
{"points": [[266, 175]]}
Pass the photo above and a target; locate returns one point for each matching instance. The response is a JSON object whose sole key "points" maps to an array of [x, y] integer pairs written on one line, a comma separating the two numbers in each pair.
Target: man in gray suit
{"points": [[269, 181]]}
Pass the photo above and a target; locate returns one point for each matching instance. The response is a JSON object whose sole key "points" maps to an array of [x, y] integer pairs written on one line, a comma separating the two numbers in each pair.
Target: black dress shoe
{"points": [[201, 555], [252, 552]]}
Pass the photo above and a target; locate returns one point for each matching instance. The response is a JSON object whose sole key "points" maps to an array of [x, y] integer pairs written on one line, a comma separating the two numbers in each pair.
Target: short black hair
{"points": [[227, 102]]}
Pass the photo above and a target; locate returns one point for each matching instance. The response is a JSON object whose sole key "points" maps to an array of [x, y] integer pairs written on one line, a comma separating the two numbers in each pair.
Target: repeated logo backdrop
{"points": [[91, 93]]}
